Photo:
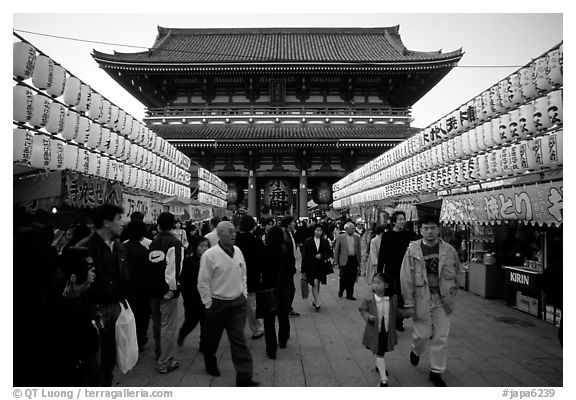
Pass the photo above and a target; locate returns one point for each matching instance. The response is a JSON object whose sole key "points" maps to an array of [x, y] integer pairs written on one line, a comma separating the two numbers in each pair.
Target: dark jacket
{"points": [[137, 261], [312, 266], [371, 334], [250, 246], [276, 272], [110, 283], [393, 246], [166, 256]]}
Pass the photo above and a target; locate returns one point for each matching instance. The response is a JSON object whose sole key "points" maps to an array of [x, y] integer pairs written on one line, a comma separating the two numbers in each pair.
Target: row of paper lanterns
{"points": [[56, 81], [530, 119], [209, 177], [206, 198], [541, 152], [534, 154], [42, 112], [48, 153], [527, 84], [207, 187]]}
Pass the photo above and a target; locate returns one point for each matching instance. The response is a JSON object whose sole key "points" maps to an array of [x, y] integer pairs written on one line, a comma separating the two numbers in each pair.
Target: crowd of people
{"points": [[229, 273]]}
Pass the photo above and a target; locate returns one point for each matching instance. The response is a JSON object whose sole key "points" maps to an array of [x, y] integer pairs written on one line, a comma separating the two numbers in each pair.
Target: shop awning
{"points": [[536, 204]]}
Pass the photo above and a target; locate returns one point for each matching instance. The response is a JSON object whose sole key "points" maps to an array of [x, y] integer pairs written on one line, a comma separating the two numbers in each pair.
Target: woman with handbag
{"points": [[273, 295], [316, 263]]}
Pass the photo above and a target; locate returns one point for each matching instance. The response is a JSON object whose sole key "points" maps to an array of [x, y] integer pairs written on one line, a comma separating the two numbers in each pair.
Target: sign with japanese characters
{"points": [[86, 192], [536, 204], [132, 203]]}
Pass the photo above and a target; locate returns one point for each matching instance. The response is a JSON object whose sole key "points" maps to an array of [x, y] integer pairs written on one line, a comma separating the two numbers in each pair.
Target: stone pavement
{"points": [[490, 345]]}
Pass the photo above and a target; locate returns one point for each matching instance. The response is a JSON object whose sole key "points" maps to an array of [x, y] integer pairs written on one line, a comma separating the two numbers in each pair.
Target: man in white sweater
{"points": [[223, 290]]}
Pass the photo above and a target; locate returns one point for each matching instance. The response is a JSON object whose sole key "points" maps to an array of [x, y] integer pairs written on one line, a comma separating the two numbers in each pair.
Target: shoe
{"points": [[247, 383], [351, 297], [377, 370], [316, 306], [282, 345], [383, 384], [414, 359], [436, 379], [258, 335], [174, 365], [293, 313], [340, 293], [213, 370]]}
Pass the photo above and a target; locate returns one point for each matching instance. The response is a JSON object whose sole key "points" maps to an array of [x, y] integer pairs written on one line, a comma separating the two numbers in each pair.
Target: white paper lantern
{"points": [[95, 108], [541, 120], [541, 79], [83, 130], [480, 138], [85, 98], [121, 171], [71, 125], [488, 110], [71, 157], [104, 167], [553, 152], [127, 175], [519, 158], [487, 133], [43, 72], [72, 91], [527, 84], [104, 142], [503, 90], [40, 110], [105, 114], [56, 118], [527, 127], [482, 161], [57, 154], [112, 144], [83, 161], [56, 87], [515, 90], [554, 67], [496, 170], [121, 148], [453, 124], [495, 99], [514, 124], [22, 107], [534, 154], [465, 137], [119, 126], [478, 109], [496, 136], [555, 109], [24, 59], [506, 161], [113, 168], [133, 153], [94, 135], [111, 123], [22, 146], [505, 133], [128, 126]]}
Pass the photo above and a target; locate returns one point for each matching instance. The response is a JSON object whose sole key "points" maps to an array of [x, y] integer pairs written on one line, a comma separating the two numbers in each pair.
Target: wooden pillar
{"points": [[252, 195], [303, 195]]}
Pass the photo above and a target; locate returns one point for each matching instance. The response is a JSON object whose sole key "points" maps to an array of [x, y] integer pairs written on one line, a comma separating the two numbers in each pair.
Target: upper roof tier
{"points": [[278, 46]]}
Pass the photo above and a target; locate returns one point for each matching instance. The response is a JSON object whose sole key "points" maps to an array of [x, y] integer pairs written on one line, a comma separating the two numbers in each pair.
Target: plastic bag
{"points": [[304, 288], [126, 340]]}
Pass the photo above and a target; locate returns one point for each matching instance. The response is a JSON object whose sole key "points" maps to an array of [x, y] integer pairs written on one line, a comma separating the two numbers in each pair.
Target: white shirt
{"points": [[221, 276], [383, 306], [317, 241], [212, 237]]}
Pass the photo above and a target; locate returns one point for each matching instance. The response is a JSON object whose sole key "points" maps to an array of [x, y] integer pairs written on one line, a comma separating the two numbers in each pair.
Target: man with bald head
{"points": [[347, 255], [223, 290]]}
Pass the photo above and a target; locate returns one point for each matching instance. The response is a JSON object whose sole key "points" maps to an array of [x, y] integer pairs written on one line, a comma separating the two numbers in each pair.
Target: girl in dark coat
{"points": [[274, 273], [316, 254], [379, 310], [194, 310]]}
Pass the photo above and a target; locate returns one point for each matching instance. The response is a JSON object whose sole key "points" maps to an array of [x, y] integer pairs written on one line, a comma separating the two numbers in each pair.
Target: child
{"points": [[379, 310]]}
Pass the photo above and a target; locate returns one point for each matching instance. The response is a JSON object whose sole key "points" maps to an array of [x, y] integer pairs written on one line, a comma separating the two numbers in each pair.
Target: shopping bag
{"points": [[126, 340], [304, 288]]}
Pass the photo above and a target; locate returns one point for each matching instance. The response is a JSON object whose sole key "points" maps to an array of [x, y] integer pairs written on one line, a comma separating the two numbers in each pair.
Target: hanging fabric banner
{"points": [[535, 204], [132, 203], [85, 191]]}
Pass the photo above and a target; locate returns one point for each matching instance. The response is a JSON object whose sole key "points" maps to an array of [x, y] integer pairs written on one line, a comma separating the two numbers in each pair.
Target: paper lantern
{"points": [[24, 59], [121, 171], [514, 124], [483, 166], [56, 118], [518, 158], [504, 129], [94, 135], [121, 148], [514, 90], [133, 153], [467, 115], [22, 107], [496, 169], [94, 164], [133, 132], [451, 152], [472, 139], [434, 154], [119, 126], [527, 85], [72, 91], [41, 152], [488, 110], [56, 88], [83, 161], [541, 120], [71, 125], [453, 124], [466, 142], [534, 155], [22, 146], [112, 144], [127, 130], [105, 114], [104, 142], [71, 157], [95, 107], [83, 130], [480, 138], [57, 154], [451, 175], [487, 133], [496, 136], [555, 109], [506, 161], [478, 109], [128, 170], [503, 87], [476, 168], [553, 151], [554, 67], [111, 123], [527, 126], [133, 177], [40, 110], [85, 98], [104, 167], [541, 79], [43, 72], [495, 99], [112, 169], [139, 155]]}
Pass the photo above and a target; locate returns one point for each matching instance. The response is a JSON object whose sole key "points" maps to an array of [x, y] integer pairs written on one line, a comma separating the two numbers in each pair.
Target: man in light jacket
{"points": [[428, 280], [347, 255]]}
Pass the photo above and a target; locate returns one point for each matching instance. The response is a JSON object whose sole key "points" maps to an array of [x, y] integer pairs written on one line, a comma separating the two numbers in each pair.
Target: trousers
{"points": [[436, 328], [348, 274], [229, 315]]}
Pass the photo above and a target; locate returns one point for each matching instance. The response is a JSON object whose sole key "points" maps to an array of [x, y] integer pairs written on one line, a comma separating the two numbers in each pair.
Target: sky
{"points": [[495, 45]]}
